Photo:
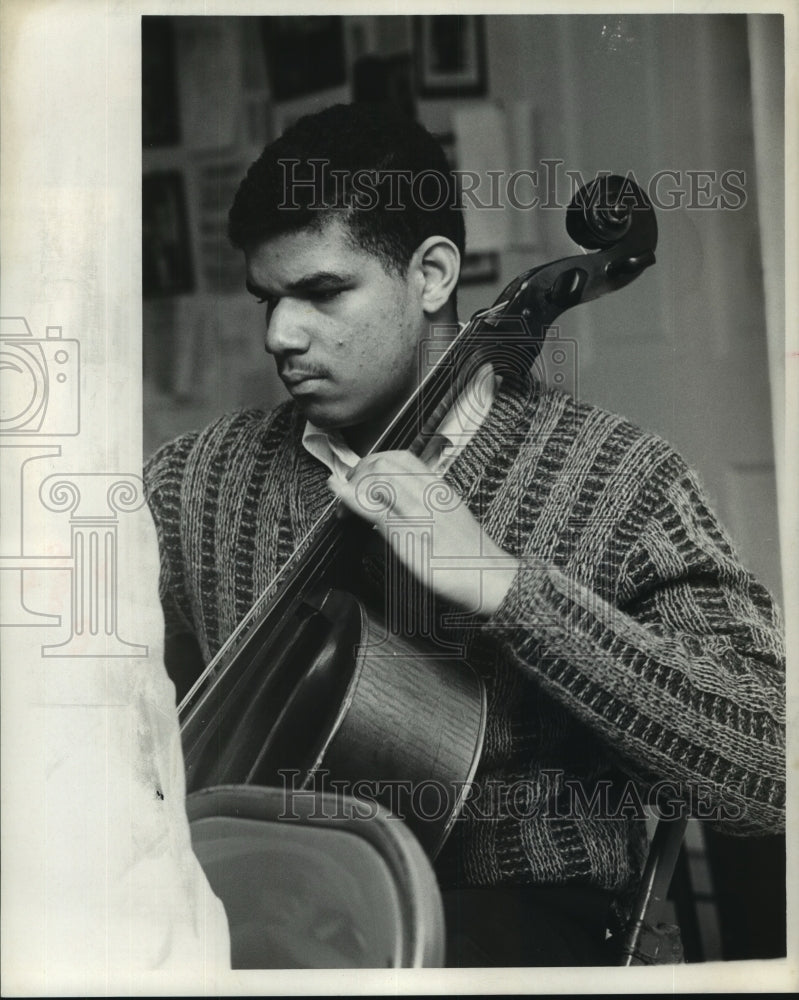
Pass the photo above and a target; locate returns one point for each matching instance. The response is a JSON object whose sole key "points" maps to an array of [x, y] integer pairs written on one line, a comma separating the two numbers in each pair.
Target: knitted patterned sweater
{"points": [[632, 654]]}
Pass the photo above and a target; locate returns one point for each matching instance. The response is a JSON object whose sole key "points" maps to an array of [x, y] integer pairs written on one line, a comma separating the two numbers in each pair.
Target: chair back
{"points": [[316, 880]]}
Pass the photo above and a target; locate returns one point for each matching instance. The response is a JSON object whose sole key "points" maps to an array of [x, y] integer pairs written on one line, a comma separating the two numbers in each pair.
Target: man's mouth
{"points": [[296, 376]]}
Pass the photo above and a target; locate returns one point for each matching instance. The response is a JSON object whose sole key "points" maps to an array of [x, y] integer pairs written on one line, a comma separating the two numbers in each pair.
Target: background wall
{"points": [[682, 351]]}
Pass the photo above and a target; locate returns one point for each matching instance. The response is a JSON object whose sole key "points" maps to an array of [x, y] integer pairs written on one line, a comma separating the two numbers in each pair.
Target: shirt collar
{"points": [[330, 448]]}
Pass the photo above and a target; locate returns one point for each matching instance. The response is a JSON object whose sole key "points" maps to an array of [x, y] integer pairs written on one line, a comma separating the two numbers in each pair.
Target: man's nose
{"points": [[286, 328]]}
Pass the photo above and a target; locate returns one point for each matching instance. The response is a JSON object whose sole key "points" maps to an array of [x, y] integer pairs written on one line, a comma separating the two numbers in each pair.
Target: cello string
{"points": [[247, 630]]}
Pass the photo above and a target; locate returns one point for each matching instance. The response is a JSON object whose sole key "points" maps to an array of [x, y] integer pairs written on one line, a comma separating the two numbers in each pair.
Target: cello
{"points": [[315, 680]]}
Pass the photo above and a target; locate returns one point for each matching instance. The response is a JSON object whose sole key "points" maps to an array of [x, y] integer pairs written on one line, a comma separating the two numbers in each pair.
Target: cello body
{"points": [[343, 702]]}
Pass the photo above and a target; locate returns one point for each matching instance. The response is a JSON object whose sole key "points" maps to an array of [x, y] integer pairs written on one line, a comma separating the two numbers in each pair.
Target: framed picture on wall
{"points": [[450, 55]]}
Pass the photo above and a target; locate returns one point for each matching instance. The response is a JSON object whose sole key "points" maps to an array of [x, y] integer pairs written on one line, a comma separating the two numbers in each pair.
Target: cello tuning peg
{"points": [[630, 266]]}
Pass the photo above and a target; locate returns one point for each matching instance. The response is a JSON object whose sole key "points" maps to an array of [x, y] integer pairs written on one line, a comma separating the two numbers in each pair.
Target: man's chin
{"points": [[326, 418], [359, 429]]}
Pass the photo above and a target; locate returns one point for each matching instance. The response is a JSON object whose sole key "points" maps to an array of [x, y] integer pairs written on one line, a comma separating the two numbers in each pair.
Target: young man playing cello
{"points": [[621, 643]]}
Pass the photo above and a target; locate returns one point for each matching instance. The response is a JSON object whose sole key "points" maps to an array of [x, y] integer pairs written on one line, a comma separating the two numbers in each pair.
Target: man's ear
{"points": [[437, 262]]}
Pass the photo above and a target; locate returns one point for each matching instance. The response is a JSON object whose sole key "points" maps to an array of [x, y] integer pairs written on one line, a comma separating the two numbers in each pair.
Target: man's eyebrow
{"points": [[308, 283], [319, 279]]}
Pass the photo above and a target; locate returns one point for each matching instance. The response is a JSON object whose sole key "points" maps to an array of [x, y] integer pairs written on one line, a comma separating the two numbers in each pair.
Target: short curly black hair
{"points": [[383, 172]]}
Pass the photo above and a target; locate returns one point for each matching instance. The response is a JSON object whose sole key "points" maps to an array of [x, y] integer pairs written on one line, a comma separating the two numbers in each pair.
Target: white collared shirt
{"points": [[454, 432]]}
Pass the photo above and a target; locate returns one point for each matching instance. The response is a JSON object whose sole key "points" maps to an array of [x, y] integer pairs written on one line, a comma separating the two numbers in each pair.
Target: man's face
{"points": [[343, 330]]}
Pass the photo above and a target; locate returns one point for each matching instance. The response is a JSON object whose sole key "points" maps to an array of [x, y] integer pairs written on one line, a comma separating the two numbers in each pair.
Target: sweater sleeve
{"points": [[163, 475], [682, 676]]}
